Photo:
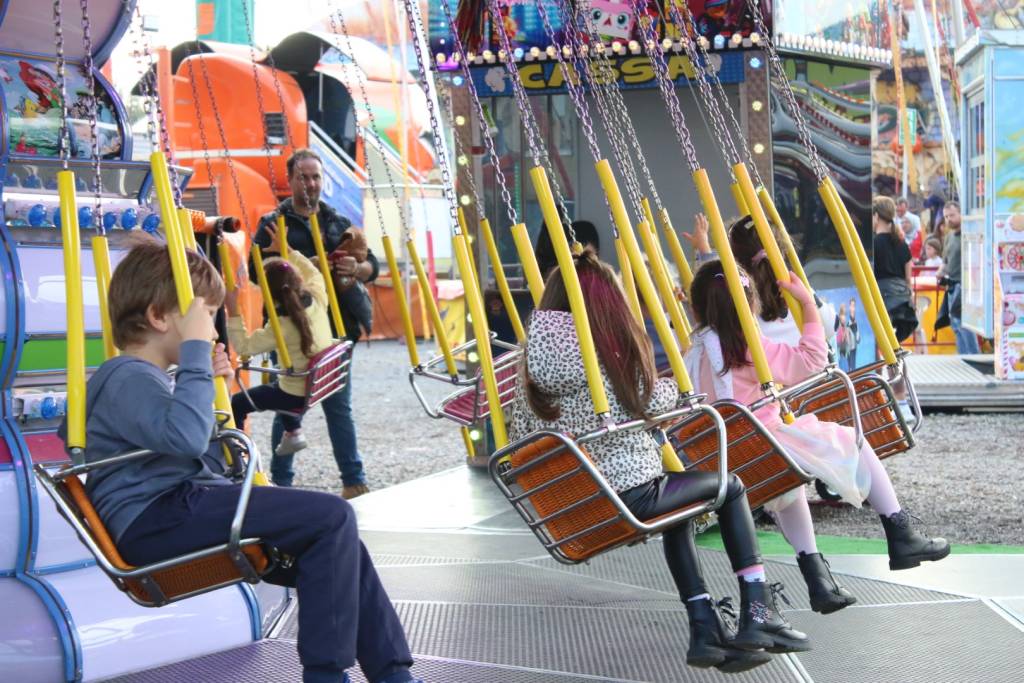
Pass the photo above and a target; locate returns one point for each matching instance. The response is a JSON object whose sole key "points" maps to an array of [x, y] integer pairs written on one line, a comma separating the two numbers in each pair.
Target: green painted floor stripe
{"points": [[772, 543]]}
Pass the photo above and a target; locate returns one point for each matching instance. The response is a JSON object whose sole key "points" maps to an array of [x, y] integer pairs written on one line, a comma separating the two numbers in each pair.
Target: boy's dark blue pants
{"points": [[344, 612]]}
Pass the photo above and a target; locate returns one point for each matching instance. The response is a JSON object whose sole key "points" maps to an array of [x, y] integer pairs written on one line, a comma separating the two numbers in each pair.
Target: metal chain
{"points": [[573, 77], [723, 99], [337, 17], [788, 98], [65, 133], [221, 133], [612, 108], [261, 106], [656, 54], [144, 87], [538, 150], [412, 17], [701, 68], [485, 129], [90, 84], [160, 121], [250, 31]]}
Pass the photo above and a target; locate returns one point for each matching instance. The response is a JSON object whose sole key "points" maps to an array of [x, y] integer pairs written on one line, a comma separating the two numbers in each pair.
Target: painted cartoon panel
{"points": [[32, 97]]}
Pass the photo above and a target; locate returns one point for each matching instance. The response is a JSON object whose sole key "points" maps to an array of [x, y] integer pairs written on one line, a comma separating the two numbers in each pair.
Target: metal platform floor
{"points": [[949, 381], [482, 604]]}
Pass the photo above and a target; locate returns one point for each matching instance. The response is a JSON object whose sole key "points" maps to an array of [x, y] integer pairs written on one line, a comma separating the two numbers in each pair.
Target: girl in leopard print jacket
{"points": [[552, 394]]}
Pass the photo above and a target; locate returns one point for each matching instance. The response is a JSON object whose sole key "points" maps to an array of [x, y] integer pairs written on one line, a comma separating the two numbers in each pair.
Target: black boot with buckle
{"points": [[827, 596], [762, 625], [710, 639], [908, 548]]}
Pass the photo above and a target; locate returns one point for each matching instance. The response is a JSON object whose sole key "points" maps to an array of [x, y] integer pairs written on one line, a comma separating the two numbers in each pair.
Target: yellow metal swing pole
{"points": [[751, 332], [188, 235], [664, 284], [768, 204], [502, 281], [475, 300], [282, 235], [534, 278], [739, 199], [72, 249], [101, 263], [325, 272], [628, 282], [427, 297], [670, 460], [283, 357], [861, 275], [578, 307], [764, 231], [226, 265], [183, 279], [403, 304], [676, 247]]}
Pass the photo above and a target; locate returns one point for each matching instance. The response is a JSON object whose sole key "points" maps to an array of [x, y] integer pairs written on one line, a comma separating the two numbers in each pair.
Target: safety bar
{"points": [[826, 376], [341, 352], [505, 386], [233, 547]]}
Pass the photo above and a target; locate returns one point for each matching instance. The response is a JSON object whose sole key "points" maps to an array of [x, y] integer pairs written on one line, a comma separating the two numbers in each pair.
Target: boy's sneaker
{"points": [[291, 442], [354, 491]]}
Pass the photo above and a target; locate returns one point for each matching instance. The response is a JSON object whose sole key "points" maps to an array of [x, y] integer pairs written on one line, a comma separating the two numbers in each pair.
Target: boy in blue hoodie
{"points": [[180, 500]]}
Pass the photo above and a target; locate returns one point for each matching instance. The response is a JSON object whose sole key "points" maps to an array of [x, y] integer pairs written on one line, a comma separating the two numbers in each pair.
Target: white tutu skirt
{"points": [[827, 451]]}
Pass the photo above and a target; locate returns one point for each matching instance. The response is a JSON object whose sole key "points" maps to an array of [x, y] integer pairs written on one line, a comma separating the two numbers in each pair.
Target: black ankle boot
{"points": [[827, 596], [710, 640], [761, 624], [908, 548]]}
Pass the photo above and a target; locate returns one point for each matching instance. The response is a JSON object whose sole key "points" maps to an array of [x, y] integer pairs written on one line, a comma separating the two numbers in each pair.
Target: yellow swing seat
{"points": [[468, 404], [327, 374], [554, 485], [154, 585]]}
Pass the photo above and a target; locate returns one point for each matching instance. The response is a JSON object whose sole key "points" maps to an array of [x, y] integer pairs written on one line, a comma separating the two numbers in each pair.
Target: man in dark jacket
{"points": [[352, 265]]}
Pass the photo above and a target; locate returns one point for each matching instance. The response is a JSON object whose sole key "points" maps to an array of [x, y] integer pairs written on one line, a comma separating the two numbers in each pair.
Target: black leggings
{"points": [[676, 490], [268, 397]]}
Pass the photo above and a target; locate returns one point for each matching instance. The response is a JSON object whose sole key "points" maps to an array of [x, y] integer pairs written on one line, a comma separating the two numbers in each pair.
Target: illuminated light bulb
{"points": [[440, 57], [634, 46], [584, 50], [758, 148], [600, 48], [457, 81], [474, 434], [666, 44], [463, 160], [501, 55], [551, 51], [472, 357], [719, 42], [471, 56], [518, 53], [736, 39], [566, 52], [460, 120], [704, 43], [535, 51], [464, 200], [755, 62], [616, 46], [757, 105], [488, 55], [651, 45], [755, 38]]}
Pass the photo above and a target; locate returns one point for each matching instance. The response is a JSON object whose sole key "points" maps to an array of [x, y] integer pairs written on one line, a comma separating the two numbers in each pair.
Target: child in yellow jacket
{"points": [[300, 296]]}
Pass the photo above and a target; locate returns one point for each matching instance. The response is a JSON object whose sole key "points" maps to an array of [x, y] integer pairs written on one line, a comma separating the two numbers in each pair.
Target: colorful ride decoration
{"points": [[66, 621]]}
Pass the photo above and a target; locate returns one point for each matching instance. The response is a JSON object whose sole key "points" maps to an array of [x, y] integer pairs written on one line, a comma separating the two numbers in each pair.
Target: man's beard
{"points": [[306, 200]]}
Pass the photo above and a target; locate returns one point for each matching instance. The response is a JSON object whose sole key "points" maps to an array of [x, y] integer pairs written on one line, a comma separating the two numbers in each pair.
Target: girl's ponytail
{"points": [[291, 299]]}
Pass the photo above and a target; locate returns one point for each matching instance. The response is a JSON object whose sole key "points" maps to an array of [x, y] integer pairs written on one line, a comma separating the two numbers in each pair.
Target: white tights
{"points": [[795, 519]]}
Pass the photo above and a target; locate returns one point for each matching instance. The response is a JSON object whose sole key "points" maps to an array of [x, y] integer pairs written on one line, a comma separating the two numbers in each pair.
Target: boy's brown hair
{"points": [[144, 278]]}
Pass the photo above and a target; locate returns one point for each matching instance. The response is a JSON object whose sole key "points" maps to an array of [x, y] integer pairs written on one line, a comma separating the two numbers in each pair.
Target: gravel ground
{"points": [[963, 480]]}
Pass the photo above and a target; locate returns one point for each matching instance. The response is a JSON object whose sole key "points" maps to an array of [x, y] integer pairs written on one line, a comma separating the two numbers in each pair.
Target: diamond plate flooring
{"points": [[482, 604]]}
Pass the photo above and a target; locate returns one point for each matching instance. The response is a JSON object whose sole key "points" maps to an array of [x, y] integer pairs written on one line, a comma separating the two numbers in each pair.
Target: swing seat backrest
{"points": [[161, 585], [754, 455], [569, 509], [328, 372], [880, 418], [470, 404]]}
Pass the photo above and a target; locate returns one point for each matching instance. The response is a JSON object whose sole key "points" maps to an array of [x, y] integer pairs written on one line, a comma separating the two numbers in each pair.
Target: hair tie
{"points": [[758, 257], [744, 280]]}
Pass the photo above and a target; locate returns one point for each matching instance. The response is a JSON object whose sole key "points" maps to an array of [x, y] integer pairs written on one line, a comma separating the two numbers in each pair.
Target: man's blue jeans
{"points": [[966, 341], [341, 429]]}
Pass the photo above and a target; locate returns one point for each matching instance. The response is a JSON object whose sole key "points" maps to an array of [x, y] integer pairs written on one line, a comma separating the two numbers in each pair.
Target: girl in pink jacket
{"points": [[720, 364]]}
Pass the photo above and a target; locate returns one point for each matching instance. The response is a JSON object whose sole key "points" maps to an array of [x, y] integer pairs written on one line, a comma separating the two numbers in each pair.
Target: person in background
{"points": [[909, 223], [892, 267], [933, 253], [352, 265], [966, 341], [586, 234]]}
